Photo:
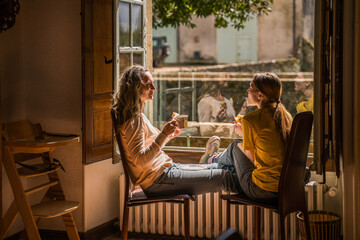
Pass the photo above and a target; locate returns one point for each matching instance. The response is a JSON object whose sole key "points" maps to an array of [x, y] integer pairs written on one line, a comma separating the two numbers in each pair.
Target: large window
{"points": [[200, 96], [130, 41]]}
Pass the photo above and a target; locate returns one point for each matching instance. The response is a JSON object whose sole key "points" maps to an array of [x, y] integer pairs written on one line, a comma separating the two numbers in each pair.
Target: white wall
{"points": [[40, 63], [11, 72], [52, 66], [101, 193], [12, 94], [40, 59]]}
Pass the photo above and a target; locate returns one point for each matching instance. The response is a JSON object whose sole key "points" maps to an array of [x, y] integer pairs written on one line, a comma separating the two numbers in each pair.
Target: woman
{"points": [[214, 107], [307, 90], [149, 166], [258, 159]]}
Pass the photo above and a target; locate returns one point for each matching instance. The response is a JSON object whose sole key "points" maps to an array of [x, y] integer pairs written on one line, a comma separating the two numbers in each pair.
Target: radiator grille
{"points": [[208, 216]]}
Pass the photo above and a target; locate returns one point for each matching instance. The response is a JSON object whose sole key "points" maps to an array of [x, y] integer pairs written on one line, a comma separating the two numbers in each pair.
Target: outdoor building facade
{"points": [[277, 35]]}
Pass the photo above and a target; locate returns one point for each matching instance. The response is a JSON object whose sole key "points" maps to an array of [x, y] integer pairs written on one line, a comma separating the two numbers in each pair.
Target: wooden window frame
{"points": [[328, 86], [128, 49]]}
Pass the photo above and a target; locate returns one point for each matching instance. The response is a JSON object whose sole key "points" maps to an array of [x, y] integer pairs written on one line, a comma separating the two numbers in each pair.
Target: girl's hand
{"points": [[169, 127], [175, 133], [238, 129], [244, 108], [221, 115]]}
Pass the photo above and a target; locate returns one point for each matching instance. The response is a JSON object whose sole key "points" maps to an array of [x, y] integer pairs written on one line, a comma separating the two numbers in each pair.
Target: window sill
{"points": [[185, 155], [192, 155]]}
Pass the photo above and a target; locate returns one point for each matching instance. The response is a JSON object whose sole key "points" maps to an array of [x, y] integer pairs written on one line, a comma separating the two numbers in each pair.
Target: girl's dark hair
{"points": [[269, 85], [212, 88], [127, 101], [209, 89]]}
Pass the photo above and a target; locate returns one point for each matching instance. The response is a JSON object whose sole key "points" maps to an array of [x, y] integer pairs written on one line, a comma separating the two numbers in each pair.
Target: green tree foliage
{"points": [[172, 13]]}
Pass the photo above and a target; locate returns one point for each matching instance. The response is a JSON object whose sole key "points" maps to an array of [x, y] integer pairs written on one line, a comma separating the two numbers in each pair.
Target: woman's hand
{"points": [[244, 108], [238, 129], [169, 127], [221, 115], [175, 133]]}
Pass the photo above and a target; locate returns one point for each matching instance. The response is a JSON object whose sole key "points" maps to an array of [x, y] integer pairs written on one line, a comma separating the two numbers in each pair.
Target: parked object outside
{"points": [[161, 49]]}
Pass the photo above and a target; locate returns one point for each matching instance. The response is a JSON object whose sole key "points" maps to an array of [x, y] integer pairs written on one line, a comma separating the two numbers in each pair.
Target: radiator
{"points": [[208, 216]]}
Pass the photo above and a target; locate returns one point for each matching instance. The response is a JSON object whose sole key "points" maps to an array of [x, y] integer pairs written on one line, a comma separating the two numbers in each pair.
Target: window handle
{"points": [[108, 61]]}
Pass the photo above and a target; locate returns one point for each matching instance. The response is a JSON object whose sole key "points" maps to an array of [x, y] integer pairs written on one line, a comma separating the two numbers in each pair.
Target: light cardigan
{"points": [[142, 145], [208, 109]]}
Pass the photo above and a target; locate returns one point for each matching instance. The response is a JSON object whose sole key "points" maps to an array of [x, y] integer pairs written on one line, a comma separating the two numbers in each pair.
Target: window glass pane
{"points": [[213, 97], [185, 84], [171, 105], [124, 24], [138, 58], [155, 43], [172, 84], [304, 99], [186, 105], [203, 95], [124, 61], [137, 25]]}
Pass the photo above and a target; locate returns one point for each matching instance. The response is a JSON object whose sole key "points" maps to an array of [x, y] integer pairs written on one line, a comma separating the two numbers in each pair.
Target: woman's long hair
{"points": [[212, 88], [269, 85], [127, 101]]}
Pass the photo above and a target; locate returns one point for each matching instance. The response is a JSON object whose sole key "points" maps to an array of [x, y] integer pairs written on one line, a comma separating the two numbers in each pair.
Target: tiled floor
{"points": [[119, 238], [140, 236], [147, 237], [230, 234], [131, 236]]}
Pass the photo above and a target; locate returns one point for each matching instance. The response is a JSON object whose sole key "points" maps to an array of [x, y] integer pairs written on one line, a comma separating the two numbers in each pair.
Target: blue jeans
{"points": [[233, 158], [192, 179]]}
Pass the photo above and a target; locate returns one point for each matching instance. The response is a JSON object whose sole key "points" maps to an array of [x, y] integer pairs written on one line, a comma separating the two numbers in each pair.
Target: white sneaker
{"points": [[212, 147]]}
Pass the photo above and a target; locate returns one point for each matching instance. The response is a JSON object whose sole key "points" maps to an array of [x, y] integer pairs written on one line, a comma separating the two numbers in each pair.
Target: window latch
{"points": [[108, 61]]}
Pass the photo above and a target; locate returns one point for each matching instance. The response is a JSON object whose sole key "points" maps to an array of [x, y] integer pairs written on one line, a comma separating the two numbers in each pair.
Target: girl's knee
{"points": [[234, 143], [235, 146]]}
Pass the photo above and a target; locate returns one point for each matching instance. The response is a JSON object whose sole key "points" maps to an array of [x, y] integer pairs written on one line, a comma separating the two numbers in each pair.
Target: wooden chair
{"points": [[291, 184], [138, 197], [25, 141]]}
